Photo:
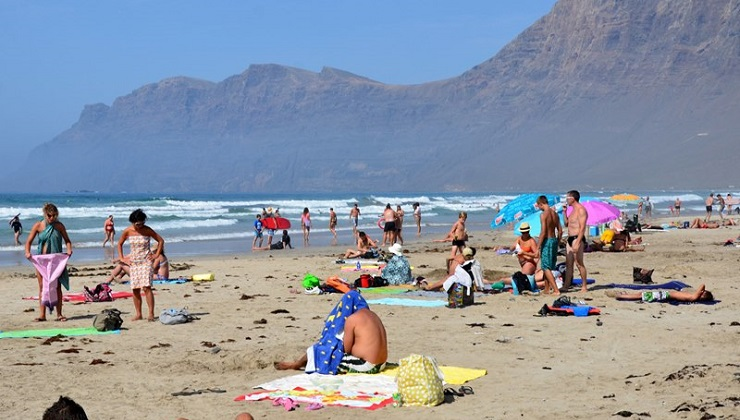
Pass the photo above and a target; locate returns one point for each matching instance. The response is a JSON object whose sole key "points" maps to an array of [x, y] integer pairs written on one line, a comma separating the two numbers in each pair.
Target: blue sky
{"points": [[57, 56]]}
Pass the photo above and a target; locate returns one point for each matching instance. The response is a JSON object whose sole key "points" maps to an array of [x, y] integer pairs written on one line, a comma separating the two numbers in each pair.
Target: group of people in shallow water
{"points": [[143, 263]]}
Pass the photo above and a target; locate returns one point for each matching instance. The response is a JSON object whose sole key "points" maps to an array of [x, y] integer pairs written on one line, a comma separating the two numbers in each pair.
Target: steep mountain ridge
{"points": [[596, 94]]}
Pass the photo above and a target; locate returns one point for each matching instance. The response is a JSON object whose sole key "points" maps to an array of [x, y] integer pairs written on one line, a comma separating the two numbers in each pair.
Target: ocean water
{"points": [[221, 224]]}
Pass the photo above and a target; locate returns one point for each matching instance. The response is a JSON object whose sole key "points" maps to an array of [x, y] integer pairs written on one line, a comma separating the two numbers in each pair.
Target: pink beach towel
{"points": [[51, 267]]}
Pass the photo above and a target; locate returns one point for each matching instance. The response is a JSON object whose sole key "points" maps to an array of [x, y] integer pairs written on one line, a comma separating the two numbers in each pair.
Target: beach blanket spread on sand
{"points": [[355, 390], [361, 391], [51, 267]]}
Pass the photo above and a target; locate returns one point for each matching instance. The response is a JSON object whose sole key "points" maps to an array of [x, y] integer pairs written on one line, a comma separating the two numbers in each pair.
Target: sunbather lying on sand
{"points": [[701, 294], [700, 224]]}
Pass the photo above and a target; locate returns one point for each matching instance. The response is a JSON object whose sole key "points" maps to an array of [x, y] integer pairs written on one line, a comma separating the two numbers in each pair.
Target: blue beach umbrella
{"points": [[535, 225], [519, 208]]}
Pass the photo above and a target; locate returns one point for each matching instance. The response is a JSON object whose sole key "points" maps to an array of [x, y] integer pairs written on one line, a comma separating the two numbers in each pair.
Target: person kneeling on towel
{"points": [[353, 340]]}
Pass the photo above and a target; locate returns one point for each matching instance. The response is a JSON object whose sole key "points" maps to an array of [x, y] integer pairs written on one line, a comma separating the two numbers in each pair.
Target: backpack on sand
{"points": [[108, 320]]}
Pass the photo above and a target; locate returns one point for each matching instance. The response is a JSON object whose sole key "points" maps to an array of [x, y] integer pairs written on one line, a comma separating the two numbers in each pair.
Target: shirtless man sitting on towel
{"points": [[365, 345]]}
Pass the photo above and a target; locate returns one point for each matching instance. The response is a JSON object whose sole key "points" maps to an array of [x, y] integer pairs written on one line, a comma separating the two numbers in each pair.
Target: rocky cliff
{"points": [[596, 94]]}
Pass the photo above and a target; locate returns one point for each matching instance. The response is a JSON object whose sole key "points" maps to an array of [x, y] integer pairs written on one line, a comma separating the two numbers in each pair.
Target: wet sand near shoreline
{"points": [[657, 359]]}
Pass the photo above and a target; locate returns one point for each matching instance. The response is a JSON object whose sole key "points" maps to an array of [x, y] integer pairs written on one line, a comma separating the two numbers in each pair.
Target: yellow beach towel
{"points": [[453, 375]]}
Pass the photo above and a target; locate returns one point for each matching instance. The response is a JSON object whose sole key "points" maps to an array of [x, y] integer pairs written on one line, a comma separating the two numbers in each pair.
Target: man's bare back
{"points": [[365, 337]]}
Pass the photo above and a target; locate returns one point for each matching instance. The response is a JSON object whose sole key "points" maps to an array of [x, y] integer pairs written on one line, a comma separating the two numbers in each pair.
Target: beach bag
{"points": [[642, 275], [459, 296], [522, 283], [310, 281], [175, 316], [108, 320], [420, 381], [101, 293]]}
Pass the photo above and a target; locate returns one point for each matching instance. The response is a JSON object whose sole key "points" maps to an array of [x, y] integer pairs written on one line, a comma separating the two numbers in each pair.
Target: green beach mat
{"points": [[386, 290], [54, 332]]}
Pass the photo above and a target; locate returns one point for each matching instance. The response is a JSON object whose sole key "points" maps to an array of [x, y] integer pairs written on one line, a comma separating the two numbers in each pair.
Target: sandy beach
{"points": [[654, 360]]}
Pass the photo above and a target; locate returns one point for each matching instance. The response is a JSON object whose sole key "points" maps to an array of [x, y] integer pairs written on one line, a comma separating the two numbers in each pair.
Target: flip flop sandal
{"points": [[466, 390], [186, 392], [452, 391]]}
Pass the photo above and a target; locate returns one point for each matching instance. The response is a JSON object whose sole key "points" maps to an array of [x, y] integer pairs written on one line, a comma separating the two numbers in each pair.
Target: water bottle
{"points": [[359, 266]]}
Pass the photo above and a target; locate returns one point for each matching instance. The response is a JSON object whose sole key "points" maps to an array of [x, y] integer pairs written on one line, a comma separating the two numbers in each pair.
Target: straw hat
{"points": [[524, 227]]}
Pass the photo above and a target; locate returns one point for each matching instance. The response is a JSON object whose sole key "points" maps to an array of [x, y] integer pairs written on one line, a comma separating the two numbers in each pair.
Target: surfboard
{"points": [[276, 223]]}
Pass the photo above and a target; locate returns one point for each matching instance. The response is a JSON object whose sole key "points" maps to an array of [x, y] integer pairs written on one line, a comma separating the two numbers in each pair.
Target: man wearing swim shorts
{"points": [[550, 234], [354, 217], [576, 224], [708, 203], [389, 231]]}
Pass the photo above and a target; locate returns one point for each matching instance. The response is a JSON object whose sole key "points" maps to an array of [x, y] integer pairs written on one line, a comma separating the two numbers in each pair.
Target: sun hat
{"points": [[524, 227], [396, 249], [467, 252]]}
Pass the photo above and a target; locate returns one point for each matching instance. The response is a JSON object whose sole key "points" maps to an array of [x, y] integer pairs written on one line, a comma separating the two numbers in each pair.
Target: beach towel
{"points": [[578, 281], [365, 267], [324, 356], [164, 281], [51, 267], [69, 332], [357, 390], [673, 284], [409, 302], [353, 390], [453, 375], [50, 242], [700, 302], [389, 290], [80, 297]]}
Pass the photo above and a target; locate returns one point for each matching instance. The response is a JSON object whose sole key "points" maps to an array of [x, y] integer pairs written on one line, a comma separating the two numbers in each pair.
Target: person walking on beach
{"points": [[417, 217], [389, 230], [15, 224], [648, 208], [721, 204], [399, 224], [141, 271], [729, 203], [677, 206], [457, 235], [354, 217], [576, 224], [51, 233], [333, 222], [109, 230], [257, 232], [708, 203], [306, 225], [549, 239]]}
